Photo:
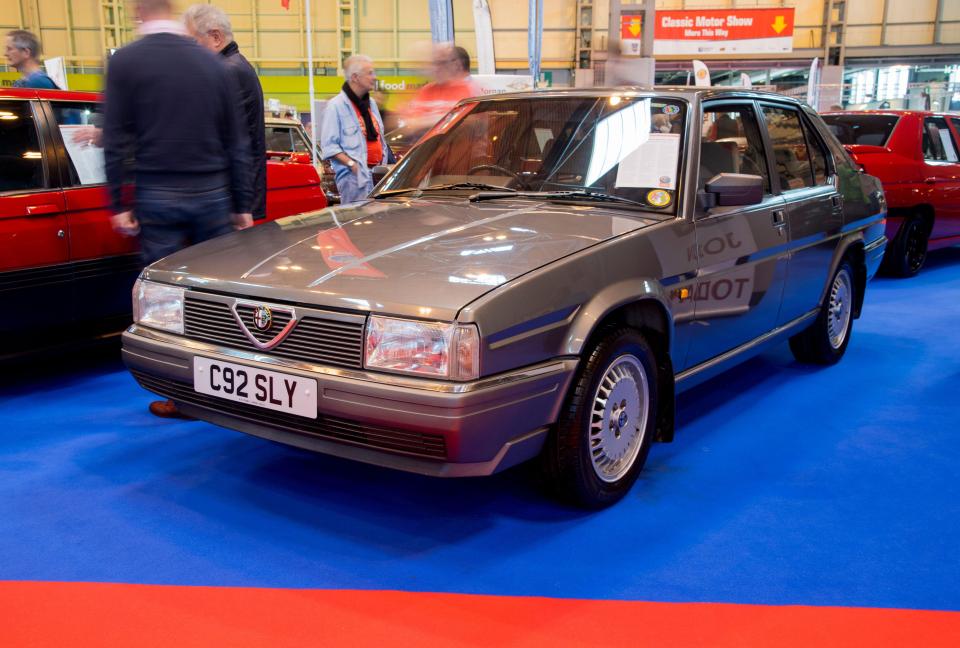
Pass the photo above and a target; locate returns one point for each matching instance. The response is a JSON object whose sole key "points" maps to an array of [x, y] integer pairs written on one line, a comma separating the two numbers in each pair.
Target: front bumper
{"points": [[428, 427]]}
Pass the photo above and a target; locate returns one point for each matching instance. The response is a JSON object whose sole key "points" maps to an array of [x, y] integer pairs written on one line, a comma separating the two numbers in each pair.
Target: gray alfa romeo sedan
{"points": [[537, 278]]}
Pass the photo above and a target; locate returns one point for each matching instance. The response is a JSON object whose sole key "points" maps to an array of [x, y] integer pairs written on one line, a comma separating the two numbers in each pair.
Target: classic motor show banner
{"points": [[724, 31]]}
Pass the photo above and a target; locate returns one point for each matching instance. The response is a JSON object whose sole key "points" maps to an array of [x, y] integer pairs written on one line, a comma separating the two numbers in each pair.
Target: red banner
{"points": [[709, 31]]}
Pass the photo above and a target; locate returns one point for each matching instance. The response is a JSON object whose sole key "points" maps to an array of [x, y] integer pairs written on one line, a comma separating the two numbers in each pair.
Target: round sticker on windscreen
{"points": [[658, 198], [671, 110]]}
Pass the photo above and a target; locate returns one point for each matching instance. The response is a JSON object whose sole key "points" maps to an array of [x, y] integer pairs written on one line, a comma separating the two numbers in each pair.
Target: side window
{"points": [[21, 158], [789, 148], [937, 142], [81, 127], [730, 143], [818, 154], [299, 143]]}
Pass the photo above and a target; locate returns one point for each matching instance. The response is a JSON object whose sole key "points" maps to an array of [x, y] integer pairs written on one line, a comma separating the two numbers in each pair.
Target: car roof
{"points": [[689, 93], [281, 121], [893, 113], [54, 95]]}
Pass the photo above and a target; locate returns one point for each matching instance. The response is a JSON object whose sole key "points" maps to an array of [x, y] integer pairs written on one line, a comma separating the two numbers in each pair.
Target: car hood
{"points": [[417, 258]]}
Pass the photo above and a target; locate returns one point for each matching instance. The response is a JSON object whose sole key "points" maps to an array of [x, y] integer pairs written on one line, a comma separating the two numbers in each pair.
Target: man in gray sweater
{"points": [[172, 111]]}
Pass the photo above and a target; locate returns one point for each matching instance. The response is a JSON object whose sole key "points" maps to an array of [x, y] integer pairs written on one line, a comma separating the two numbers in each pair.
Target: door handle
{"points": [[779, 221], [837, 200], [930, 181], [42, 209]]}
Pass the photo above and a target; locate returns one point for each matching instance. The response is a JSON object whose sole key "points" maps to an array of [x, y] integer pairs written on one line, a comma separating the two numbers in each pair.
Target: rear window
{"points": [[872, 130]]}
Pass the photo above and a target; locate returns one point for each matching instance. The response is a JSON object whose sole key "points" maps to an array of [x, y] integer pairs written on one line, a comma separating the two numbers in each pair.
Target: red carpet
{"points": [[100, 614]]}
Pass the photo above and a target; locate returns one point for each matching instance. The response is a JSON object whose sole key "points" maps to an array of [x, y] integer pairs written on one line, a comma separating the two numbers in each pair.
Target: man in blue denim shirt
{"points": [[351, 135]]}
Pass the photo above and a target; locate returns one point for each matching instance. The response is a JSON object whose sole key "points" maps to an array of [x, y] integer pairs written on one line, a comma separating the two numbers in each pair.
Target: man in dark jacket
{"points": [[171, 110], [210, 26]]}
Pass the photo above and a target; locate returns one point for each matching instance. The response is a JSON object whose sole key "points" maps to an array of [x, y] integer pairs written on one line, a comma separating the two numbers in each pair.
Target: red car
{"points": [[61, 265], [288, 140], [915, 155]]}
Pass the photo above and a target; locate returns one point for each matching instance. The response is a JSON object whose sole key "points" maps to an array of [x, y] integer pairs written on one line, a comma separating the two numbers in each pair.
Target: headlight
{"points": [[158, 305], [437, 349]]}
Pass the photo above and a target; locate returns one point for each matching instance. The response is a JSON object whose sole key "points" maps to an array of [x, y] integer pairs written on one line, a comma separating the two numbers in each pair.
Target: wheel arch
{"points": [[925, 211], [852, 250], [648, 313]]}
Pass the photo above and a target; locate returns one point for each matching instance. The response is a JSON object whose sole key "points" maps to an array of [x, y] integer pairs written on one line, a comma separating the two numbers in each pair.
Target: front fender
{"points": [[611, 299]]}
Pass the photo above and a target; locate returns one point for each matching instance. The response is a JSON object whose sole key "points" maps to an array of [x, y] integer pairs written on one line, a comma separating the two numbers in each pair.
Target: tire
{"points": [[909, 250], [825, 341], [598, 447]]}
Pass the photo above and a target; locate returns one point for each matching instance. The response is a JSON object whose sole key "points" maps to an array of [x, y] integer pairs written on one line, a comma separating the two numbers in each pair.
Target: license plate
{"points": [[268, 389]]}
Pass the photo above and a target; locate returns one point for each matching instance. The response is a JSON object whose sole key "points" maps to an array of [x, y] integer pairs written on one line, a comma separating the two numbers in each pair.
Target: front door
{"points": [[105, 263], [741, 251], [35, 274]]}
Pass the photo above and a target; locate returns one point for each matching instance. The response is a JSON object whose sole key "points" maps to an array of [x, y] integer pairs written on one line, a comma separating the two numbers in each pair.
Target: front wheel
{"points": [[603, 436], [825, 341]]}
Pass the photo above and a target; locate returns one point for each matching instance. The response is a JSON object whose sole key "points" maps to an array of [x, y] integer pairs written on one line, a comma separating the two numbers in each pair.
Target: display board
{"points": [[724, 31]]}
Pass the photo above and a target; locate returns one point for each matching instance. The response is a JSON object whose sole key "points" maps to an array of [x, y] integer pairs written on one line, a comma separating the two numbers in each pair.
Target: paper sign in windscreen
{"points": [[87, 157], [652, 164]]}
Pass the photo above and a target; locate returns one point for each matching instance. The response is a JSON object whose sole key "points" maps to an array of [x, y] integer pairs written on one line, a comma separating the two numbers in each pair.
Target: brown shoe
{"points": [[167, 409]]}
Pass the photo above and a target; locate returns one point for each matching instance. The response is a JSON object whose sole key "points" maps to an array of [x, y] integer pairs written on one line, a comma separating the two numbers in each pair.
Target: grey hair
{"points": [[353, 64], [24, 40], [205, 18]]}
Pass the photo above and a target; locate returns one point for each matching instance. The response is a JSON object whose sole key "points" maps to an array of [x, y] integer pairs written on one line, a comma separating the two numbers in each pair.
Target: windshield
{"points": [[285, 139], [625, 146], [873, 130]]}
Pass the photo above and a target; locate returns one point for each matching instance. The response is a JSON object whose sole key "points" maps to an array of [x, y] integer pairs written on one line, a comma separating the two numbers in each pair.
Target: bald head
{"points": [[154, 9]]}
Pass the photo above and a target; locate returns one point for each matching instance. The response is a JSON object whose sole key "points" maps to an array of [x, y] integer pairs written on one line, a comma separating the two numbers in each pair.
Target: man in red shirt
{"points": [[452, 82]]}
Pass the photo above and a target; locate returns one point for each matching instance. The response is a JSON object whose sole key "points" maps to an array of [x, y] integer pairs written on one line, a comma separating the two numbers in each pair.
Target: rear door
{"points": [[35, 276], [741, 251], [941, 158], [105, 263], [805, 177]]}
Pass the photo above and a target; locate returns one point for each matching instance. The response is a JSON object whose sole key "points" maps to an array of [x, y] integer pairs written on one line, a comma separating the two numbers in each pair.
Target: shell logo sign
{"points": [[724, 31]]}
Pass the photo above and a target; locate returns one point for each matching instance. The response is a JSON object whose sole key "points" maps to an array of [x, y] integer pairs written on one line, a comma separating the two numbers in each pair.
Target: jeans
{"points": [[172, 219], [353, 186]]}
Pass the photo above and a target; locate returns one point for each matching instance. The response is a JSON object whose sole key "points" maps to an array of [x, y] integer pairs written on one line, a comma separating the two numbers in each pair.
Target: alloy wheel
{"points": [[619, 418], [915, 247], [840, 308]]}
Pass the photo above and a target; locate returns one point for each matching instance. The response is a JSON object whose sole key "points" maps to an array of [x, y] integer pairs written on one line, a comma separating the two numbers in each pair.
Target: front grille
{"points": [[313, 339], [280, 319], [430, 446]]}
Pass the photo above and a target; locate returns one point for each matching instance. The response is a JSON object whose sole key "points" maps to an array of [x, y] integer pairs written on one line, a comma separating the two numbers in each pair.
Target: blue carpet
{"points": [[786, 485]]}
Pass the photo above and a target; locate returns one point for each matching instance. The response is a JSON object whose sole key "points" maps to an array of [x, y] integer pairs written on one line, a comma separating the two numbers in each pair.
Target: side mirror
{"points": [[378, 172], [731, 189]]}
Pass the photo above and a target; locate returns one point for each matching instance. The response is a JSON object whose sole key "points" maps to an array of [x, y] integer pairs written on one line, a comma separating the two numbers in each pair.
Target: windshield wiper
{"points": [[470, 185], [398, 192], [445, 187], [579, 194]]}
